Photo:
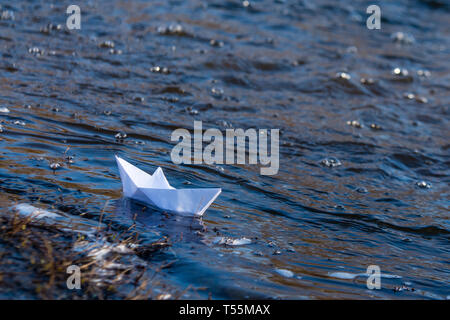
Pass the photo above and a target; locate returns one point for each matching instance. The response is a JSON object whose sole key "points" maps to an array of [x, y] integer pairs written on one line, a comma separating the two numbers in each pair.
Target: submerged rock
{"points": [[58, 220]]}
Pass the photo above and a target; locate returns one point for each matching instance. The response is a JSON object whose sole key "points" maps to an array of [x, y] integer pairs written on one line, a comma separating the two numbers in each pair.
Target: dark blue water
{"points": [[275, 64]]}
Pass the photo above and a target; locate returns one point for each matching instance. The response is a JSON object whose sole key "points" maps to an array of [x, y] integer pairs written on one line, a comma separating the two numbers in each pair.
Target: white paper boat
{"points": [[156, 190]]}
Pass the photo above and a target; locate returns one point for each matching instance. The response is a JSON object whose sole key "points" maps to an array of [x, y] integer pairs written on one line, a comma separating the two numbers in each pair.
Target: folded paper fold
{"points": [[156, 190]]}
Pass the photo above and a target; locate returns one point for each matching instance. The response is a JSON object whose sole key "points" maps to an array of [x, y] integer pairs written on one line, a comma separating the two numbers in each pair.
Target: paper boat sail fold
{"points": [[156, 190]]}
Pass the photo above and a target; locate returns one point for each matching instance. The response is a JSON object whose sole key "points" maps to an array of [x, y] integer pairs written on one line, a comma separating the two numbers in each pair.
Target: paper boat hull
{"points": [[182, 201], [155, 190]]}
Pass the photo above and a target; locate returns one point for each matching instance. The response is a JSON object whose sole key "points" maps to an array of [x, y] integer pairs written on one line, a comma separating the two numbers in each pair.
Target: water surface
{"points": [[376, 101]]}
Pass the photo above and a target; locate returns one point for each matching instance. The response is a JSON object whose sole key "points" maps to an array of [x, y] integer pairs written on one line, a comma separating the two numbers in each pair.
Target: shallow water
{"points": [[312, 69]]}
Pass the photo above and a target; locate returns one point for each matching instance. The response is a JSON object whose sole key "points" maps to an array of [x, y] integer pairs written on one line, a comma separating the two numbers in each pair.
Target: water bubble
{"points": [[375, 126], [219, 168], [158, 69], [70, 159], [120, 136], [403, 38], [2, 128], [7, 15], [54, 166], [354, 123], [231, 242], [331, 162], [36, 51], [173, 29], [51, 27], [343, 75], [422, 99], [224, 124], [11, 67], [400, 72], [4, 110], [423, 73], [107, 44], [19, 122], [351, 49], [217, 92], [361, 190], [191, 110], [403, 287], [367, 81], [215, 43], [409, 95], [115, 51], [290, 249], [164, 296], [423, 185]]}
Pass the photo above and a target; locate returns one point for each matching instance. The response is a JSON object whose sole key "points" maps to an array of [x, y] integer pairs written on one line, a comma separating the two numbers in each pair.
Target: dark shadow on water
{"points": [[173, 226]]}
